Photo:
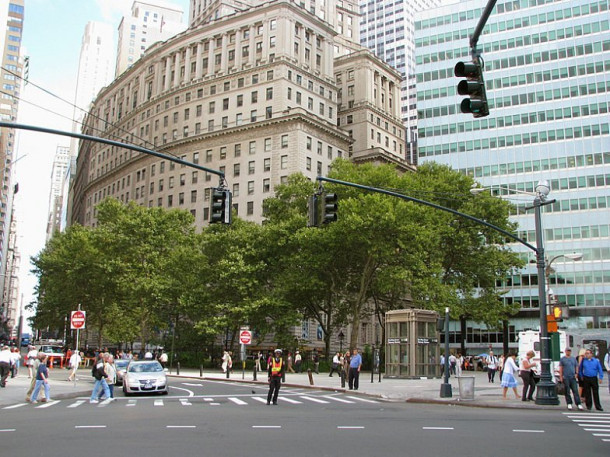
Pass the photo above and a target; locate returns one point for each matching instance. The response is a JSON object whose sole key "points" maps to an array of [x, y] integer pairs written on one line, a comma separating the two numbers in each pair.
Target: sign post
{"points": [[245, 337], [78, 319]]}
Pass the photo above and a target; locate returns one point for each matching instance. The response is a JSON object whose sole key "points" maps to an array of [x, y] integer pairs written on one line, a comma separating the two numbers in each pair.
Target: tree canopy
{"points": [[142, 271]]}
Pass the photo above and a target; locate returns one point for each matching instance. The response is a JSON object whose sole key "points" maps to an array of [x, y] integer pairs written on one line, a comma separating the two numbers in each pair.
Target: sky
{"points": [[52, 35]]}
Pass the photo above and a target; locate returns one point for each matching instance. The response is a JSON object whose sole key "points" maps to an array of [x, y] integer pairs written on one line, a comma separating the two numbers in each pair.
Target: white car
{"points": [[144, 376]]}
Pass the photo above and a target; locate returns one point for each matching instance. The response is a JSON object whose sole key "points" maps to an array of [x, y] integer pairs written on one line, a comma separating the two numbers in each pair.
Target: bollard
{"points": [[178, 368], [201, 371], [254, 373], [310, 376], [343, 379], [228, 370], [372, 375]]}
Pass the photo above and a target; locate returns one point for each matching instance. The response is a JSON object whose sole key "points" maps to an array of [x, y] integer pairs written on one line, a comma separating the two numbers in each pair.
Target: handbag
{"points": [[561, 388]]}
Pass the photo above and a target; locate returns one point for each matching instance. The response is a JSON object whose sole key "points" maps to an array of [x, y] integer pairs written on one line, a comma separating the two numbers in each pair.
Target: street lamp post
{"points": [[549, 269], [546, 390]]}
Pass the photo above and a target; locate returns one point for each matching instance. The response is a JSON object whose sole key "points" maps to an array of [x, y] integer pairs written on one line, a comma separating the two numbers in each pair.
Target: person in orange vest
{"points": [[275, 369]]}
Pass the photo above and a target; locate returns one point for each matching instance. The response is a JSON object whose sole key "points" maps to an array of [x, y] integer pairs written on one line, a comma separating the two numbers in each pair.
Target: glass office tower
{"points": [[547, 74]]}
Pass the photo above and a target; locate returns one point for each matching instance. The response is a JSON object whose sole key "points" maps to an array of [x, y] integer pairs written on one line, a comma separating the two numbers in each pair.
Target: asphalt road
{"points": [[217, 419]]}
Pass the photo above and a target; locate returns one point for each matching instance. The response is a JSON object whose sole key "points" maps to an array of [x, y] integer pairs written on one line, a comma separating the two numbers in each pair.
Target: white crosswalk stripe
{"points": [[593, 422], [339, 399], [293, 399], [314, 399]]}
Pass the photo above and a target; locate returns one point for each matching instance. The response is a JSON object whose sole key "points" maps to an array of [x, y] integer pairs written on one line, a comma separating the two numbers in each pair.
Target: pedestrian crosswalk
{"points": [[598, 424], [193, 401]]}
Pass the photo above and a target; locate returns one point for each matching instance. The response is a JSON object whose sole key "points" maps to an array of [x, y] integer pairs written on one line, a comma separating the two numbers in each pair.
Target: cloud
{"points": [[110, 10]]}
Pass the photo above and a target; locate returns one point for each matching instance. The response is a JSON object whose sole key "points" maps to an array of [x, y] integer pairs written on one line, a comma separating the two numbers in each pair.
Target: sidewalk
{"points": [[486, 394], [16, 387]]}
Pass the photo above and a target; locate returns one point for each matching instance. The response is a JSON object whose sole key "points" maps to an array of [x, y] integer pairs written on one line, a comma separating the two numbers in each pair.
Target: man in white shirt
{"points": [[335, 365], [492, 366]]}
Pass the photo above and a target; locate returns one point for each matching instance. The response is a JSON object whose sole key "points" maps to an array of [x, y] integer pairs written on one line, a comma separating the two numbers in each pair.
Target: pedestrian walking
{"points": [[15, 361], [568, 372], [508, 375], [590, 369], [34, 366], [298, 360], [275, 372], [73, 363], [110, 370], [289, 362], [30, 357], [226, 361], [335, 365], [259, 356], [492, 366], [355, 365], [607, 366], [452, 364], [459, 363], [5, 364], [42, 379], [525, 372], [100, 376]]}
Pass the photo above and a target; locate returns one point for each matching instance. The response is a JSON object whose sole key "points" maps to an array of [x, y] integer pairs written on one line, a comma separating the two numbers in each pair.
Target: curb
{"points": [[414, 400]]}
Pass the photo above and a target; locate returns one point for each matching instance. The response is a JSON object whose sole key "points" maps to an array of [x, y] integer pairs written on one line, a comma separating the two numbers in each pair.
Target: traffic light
{"points": [[329, 208], [558, 313], [220, 211], [312, 211], [473, 86]]}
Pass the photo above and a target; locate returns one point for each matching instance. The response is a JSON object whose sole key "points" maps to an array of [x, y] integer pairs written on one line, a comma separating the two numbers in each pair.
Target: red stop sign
{"points": [[245, 337], [77, 319]]}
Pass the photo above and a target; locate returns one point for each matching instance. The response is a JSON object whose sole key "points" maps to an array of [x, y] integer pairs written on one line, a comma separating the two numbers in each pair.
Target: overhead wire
{"points": [[91, 114]]}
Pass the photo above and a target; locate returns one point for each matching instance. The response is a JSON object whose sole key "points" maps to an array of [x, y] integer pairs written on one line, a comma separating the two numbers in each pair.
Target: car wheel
{"points": [[165, 392], [127, 394]]}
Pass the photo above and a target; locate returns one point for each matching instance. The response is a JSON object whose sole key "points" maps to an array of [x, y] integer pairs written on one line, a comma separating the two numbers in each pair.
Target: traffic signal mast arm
{"points": [[432, 205], [133, 147]]}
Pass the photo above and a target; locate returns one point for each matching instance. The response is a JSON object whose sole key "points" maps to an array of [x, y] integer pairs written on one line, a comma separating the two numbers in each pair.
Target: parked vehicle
{"points": [[144, 376], [54, 352], [25, 340], [120, 365]]}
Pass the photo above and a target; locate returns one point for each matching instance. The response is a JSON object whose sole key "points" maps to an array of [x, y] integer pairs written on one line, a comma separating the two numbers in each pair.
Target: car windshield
{"points": [[51, 350], [121, 363], [150, 367]]}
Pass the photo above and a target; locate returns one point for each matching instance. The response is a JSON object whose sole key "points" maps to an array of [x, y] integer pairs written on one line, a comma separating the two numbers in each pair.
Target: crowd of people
{"points": [[579, 377]]}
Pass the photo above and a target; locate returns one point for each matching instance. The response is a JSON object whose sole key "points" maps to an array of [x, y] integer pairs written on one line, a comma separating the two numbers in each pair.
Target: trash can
{"points": [[466, 384]]}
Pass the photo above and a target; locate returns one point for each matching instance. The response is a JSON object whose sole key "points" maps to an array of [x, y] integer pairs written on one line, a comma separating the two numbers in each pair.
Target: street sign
{"points": [[77, 320], [245, 337]]}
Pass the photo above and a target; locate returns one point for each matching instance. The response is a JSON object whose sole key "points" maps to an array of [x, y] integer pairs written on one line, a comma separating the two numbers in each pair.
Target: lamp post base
{"points": [[446, 390], [546, 393]]}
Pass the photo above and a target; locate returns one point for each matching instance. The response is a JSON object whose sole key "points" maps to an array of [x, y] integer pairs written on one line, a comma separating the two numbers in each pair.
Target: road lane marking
{"points": [[46, 405], [89, 426], [237, 401], [190, 392], [594, 424], [132, 403], [340, 400], [105, 402], [437, 428], [601, 434], [18, 405], [595, 429], [290, 400], [315, 400], [185, 402], [180, 426], [362, 399], [76, 404], [266, 426], [7, 430], [191, 384], [158, 403], [528, 431], [261, 399], [607, 441], [350, 427], [572, 415], [208, 399], [214, 404]]}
